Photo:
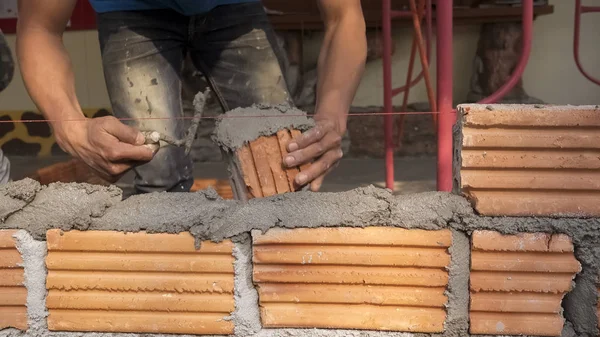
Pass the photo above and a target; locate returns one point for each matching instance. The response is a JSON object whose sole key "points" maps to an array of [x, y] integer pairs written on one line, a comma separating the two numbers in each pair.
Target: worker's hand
{"points": [[321, 145], [105, 144]]}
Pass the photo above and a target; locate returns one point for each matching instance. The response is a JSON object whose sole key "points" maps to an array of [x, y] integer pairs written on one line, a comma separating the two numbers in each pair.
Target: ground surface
{"points": [[411, 174]]}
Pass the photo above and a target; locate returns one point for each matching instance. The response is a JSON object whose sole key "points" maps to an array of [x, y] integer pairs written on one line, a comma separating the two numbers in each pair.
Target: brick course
{"points": [[13, 295], [376, 278], [518, 282], [519, 160], [144, 283]]}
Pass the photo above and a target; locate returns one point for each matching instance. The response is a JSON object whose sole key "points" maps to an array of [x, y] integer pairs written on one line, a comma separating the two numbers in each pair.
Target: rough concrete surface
{"points": [[240, 126], [246, 314], [457, 320], [581, 307]]}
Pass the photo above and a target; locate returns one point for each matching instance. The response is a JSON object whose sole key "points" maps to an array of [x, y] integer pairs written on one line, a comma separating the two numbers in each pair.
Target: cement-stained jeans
{"points": [[143, 54]]}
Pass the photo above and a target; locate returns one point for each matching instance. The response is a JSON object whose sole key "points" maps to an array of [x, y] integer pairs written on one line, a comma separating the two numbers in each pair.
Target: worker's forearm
{"points": [[341, 65], [48, 77]]}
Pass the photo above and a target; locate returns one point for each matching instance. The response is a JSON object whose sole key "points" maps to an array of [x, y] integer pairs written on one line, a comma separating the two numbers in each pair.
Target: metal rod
{"points": [[590, 9], [388, 128], [399, 14], [578, 11], [518, 72], [444, 94]]}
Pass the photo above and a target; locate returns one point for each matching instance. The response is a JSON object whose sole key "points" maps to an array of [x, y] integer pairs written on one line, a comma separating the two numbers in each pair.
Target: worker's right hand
{"points": [[105, 144]]}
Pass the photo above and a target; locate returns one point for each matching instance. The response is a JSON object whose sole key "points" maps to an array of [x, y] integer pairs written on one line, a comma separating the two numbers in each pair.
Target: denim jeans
{"points": [[143, 53]]}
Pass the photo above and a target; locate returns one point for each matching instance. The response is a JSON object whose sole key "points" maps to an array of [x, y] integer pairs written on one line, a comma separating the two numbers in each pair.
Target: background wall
{"points": [[551, 74]]}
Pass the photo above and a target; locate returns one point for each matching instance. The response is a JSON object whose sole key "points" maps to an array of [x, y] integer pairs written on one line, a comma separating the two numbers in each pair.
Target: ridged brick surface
{"points": [[518, 282], [375, 278], [262, 165], [221, 186], [531, 161], [13, 295], [138, 283]]}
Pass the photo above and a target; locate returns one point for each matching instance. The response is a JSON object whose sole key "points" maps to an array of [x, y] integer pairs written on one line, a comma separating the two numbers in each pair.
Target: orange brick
{"points": [[486, 323], [518, 282], [375, 278], [221, 186], [284, 137], [519, 160], [139, 322], [260, 152], [523, 242], [345, 316], [139, 283], [13, 295]]}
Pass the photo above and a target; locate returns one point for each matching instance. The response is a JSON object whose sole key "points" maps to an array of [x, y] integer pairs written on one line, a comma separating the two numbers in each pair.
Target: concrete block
{"points": [[375, 278], [138, 282], [521, 160], [13, 295], [518, 282]]}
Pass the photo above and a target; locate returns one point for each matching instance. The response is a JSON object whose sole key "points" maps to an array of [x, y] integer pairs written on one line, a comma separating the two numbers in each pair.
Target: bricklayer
{"points": [[144, 283], [519, 160], [376, 278], [13, 295], [518, 282]]}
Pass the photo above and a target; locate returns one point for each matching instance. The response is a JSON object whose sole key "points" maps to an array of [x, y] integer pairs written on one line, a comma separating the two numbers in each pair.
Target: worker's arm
{"points": [[340, 67], [105, 144]]}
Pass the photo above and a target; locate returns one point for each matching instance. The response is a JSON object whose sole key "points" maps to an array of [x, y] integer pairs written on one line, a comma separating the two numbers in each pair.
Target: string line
{"points": [[359, 114]]}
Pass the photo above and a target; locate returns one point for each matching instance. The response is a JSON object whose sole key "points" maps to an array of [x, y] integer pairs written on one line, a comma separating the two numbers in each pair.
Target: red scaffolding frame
{"points": [[443, 104]]}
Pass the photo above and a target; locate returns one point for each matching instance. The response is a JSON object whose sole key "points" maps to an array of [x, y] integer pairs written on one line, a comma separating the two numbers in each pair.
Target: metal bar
{"points": [[423, 55], [444, 94], [518, 72], [388, 128], [579, 9], [590, 9]]}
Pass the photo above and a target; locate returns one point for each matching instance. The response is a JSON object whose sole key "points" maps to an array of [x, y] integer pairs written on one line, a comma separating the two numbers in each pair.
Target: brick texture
{"points": [[221, 186], [262, 165], [518, 282], [527, 161], [376, 278], [13, 295], [138, 283]]}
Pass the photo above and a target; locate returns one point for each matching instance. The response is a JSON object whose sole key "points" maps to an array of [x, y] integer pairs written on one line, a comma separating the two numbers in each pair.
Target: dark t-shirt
{"points": [[186, 7]]}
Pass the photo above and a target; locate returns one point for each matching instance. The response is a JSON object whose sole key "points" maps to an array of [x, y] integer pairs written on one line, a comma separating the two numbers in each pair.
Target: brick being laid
{"points": [[518, 282], [374, 278], [525, 160], [13, 294], [138, 283], [262, 166]]}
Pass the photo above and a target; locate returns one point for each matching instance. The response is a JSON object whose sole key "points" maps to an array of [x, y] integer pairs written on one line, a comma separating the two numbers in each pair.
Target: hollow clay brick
{"points": [[262, 165], [138, 283], [376, 278], [521, 160], [518, 282], [222, 187], [13, 294]]}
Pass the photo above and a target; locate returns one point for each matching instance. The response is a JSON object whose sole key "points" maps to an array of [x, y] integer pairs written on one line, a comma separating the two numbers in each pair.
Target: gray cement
{"points": [[580, 304], [246, 314], [457, 320], [240, 126]]}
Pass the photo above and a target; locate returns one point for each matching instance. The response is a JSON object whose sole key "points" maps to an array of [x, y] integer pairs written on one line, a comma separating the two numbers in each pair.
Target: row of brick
{"points": [[526, 160], [376, 278]]}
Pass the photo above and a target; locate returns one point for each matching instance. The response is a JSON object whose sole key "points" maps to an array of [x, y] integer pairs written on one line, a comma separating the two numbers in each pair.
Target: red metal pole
{"points": [[518, 72], [388, 127], [579, 9], [444, 94]]}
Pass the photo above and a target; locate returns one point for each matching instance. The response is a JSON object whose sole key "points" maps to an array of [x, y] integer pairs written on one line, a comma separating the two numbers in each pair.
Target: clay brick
{"points": [[518, 160], [221, 186], [376, 278], [518, 282], [138, 283], [13, 295], [262, 165]]}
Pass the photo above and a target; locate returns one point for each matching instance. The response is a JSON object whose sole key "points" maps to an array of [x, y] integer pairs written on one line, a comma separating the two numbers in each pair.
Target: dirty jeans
{"points": [[143, 52]]}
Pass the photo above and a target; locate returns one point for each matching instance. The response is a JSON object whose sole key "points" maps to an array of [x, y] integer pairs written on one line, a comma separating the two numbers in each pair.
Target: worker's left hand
{"points": [[321, 145]]}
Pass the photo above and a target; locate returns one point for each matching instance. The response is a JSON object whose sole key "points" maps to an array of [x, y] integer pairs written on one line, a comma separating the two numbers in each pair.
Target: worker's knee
{"points": [[170, 171]]}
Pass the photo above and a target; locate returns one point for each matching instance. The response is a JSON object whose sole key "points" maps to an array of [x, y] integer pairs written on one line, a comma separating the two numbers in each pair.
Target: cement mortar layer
{"points": [[240, 126]]}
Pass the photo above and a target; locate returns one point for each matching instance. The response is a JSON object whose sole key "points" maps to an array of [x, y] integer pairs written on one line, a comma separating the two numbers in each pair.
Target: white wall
{"points": [[551, 74]]}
